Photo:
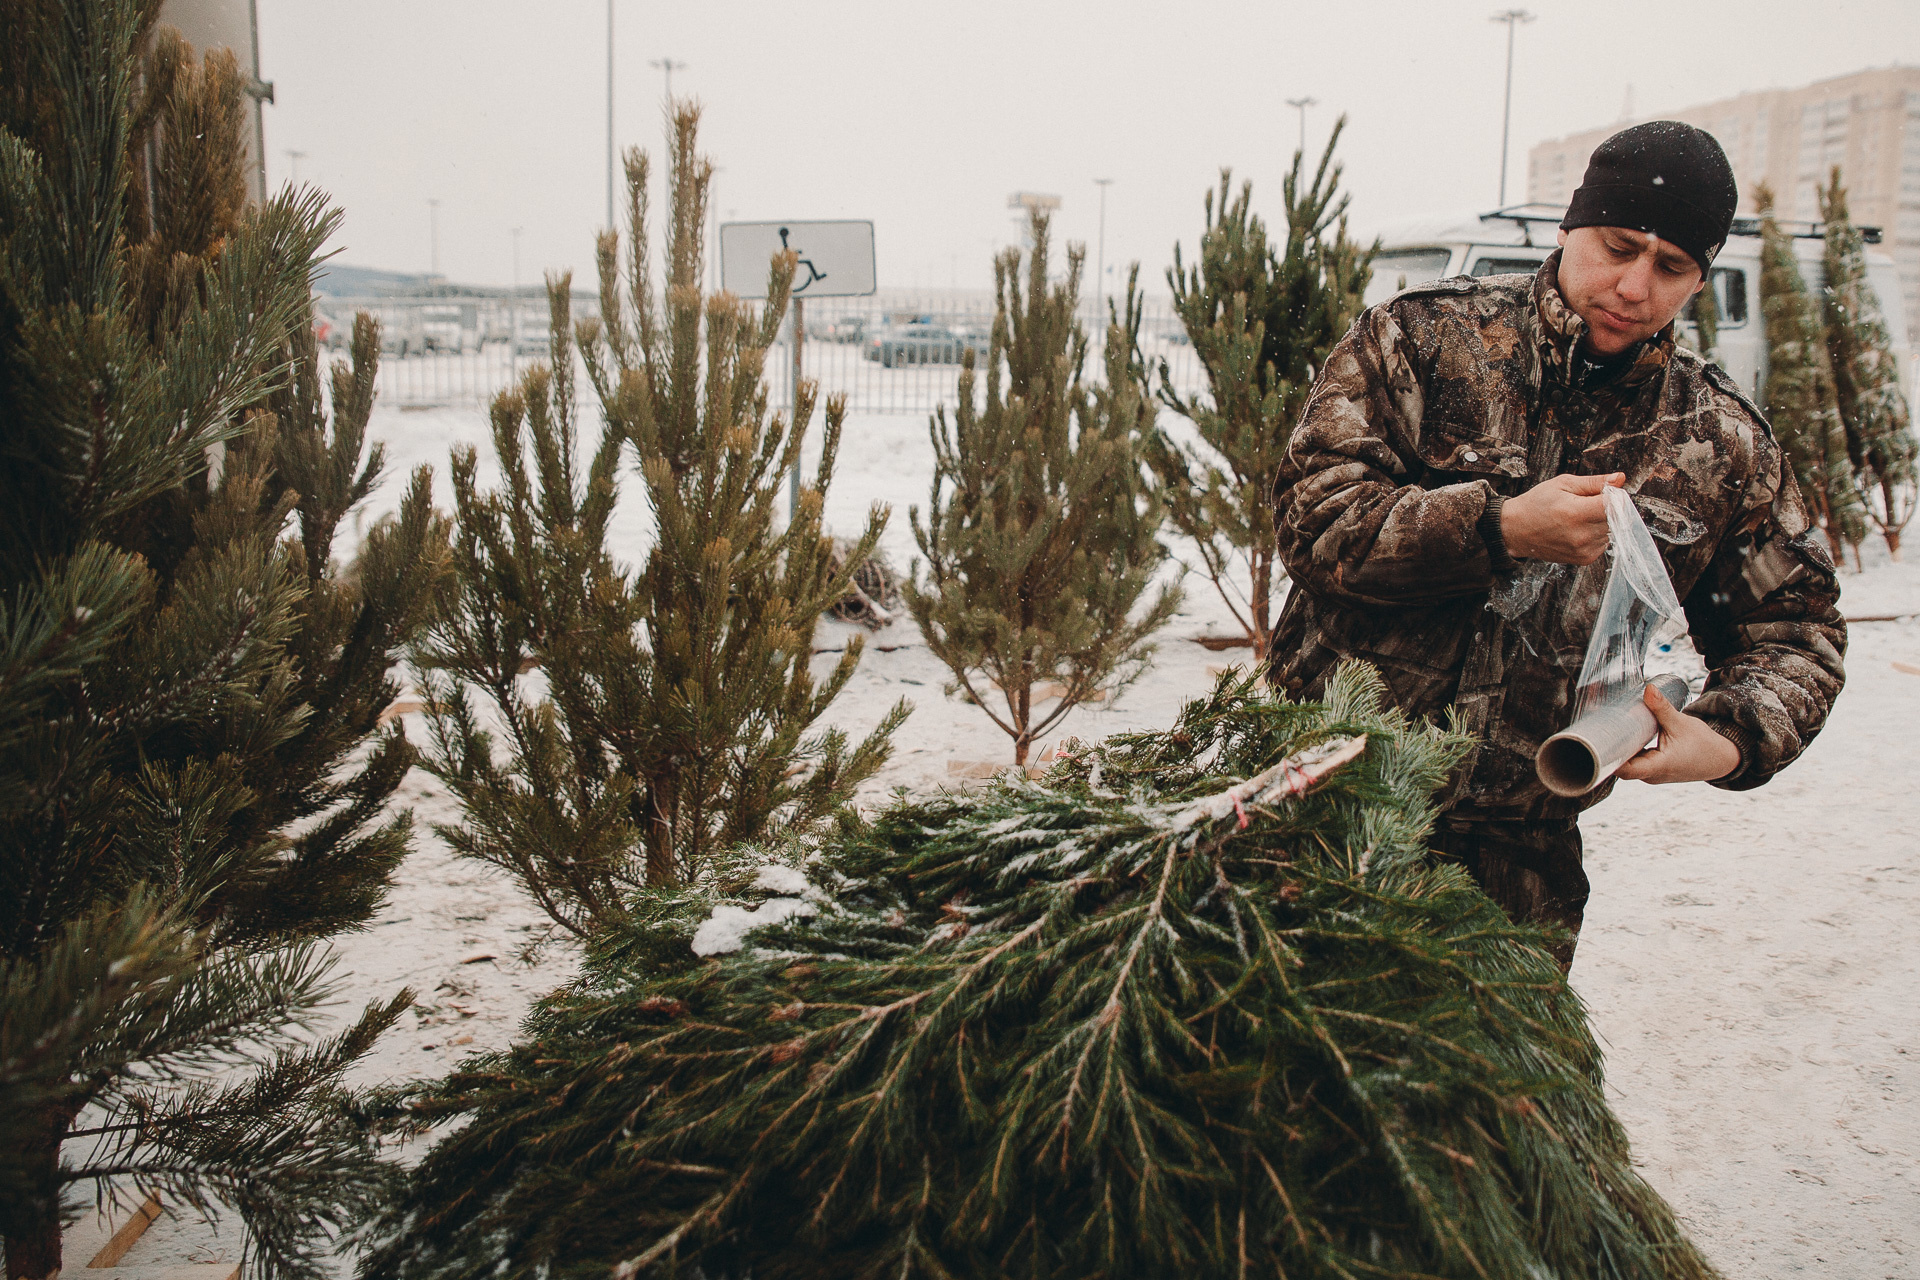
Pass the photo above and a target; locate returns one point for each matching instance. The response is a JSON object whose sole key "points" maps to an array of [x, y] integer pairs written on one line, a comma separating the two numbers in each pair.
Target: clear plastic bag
{"points": [[1638, 610]]}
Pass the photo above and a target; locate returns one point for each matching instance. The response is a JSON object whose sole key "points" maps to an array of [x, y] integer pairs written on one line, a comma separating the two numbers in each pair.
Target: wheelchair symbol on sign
{"points": [[813, 273]]}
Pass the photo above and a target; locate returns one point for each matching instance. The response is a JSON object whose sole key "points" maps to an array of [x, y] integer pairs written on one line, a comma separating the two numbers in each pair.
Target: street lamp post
{"points": [[296, 157], [1513, 18], [669, 66], [713, 228], [609, 115], [1100, 262], [1301, 105], [513, 307]]}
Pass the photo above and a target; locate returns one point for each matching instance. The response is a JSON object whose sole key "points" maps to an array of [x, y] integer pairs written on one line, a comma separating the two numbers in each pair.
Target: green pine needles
{"points": [[1194, 1004], [1041, 532], [1262, 319], [1704, 311], [193, 781], [651, 718], [1800, 399], [1866, 376]]}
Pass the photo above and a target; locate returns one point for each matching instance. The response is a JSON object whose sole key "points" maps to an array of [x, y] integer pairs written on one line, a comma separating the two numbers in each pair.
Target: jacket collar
{"points": [[1561, 328]]}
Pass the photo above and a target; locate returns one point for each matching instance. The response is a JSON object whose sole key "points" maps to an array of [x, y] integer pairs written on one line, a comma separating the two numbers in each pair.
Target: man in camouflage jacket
{"points": [[1441, 515]]}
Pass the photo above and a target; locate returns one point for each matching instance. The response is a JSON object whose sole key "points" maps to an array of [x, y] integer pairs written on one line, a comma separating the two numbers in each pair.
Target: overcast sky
{"points": [[923, 117]]}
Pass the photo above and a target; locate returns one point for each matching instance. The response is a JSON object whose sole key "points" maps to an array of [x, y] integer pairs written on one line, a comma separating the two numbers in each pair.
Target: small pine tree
{"points": [[191, 790], [1799, 398], [1262, 322], [1195, 1004], [1704, 311], [1866, 377], [670, 718], [1040, 536]]}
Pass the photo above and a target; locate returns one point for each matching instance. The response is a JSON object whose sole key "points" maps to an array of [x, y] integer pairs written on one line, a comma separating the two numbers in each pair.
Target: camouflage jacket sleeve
{"points": [[1766, 617], [1356, 523]]}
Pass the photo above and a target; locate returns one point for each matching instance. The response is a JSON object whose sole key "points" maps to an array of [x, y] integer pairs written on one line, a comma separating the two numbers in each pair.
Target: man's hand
{"points": [[1689, 750], [1563, 519]]}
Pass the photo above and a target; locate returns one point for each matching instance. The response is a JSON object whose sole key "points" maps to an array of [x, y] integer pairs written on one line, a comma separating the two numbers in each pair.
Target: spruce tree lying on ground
{"points": [[1192, 1005]]}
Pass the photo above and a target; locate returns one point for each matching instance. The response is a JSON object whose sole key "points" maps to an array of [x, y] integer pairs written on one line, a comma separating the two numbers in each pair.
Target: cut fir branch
{"points": [[1194, 1004], [1262, 319], [673, 713], [1041, 531]]}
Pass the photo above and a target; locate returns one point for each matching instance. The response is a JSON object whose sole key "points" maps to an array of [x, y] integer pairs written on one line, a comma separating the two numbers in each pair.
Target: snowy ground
{"points": [[1750, 960]]}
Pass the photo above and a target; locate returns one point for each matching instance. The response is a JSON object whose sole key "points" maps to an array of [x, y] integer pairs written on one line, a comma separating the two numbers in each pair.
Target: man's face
{"points": [[1625, 284]]}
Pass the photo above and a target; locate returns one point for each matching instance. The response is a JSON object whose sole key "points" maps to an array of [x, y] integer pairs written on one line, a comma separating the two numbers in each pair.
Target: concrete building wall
{"points": [[232, 24], [1868, 123]]}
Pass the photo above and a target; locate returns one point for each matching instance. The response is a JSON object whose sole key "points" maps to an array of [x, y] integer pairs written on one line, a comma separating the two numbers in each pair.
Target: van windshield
{"points": [[1398, 269]]}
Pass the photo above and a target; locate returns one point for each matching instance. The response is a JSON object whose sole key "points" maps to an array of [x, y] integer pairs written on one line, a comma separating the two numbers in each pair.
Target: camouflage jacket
{"points": [[1451, 397]]}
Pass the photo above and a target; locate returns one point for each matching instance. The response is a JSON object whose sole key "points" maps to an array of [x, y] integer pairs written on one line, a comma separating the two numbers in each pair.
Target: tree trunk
{"points": [[662, 801], [34, 1254], [1890, 530], [1259, 607]]}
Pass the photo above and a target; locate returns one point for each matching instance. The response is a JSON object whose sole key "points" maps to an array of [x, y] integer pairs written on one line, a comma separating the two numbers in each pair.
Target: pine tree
{"points": [[1799, 398], [1866, 376], [1041, 529], [1262, 321], [1194, 1004], [1704, 311], [191, 792], [670, 716]]}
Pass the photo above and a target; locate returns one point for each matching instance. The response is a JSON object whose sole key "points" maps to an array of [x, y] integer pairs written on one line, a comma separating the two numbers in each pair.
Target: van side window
{"points": [[1505, 266], [1730, 290], [1730, 287]]}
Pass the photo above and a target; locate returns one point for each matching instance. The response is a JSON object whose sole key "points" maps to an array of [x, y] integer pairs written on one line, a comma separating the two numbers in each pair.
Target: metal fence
{"points": [[890, 353]]}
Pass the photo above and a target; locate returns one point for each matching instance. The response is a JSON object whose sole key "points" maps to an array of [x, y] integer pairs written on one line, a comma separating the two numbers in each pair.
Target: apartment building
{"points": [[1868, 123]]}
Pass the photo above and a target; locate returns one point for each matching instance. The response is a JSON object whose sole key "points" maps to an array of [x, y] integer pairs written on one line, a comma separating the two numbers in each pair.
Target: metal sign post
{"points": [[836, 261], [799, 336]]}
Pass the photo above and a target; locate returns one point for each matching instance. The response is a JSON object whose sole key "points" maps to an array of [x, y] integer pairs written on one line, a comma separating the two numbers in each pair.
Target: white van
{"points": [[1518, 239]]}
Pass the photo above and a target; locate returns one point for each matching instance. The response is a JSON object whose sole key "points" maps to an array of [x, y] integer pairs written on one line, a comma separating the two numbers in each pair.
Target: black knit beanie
{"points": [[1664, 177]]}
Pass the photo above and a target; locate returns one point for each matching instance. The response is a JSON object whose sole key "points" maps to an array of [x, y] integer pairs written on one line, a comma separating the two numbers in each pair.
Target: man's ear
{"points": [[1560, 237]]}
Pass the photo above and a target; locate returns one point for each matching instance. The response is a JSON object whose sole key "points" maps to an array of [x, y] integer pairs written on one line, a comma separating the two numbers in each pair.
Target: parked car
{"points": [[843, 329], [532, 332], [1520, 238], [977, 338], [449, 327], [917, 344], [400, 330]]}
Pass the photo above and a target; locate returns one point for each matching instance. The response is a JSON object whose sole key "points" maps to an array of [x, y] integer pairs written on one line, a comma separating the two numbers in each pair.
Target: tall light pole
{"points": [[609, 115], [1301, 105], [296, 157], [513, 306], [1100, 262], [433, 234], [1513, 18], [713, 228], [669, 66]]}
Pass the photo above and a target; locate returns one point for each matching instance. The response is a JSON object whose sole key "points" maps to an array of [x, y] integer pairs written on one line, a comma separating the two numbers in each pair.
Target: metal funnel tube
{"points": [[1585, 753]]}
